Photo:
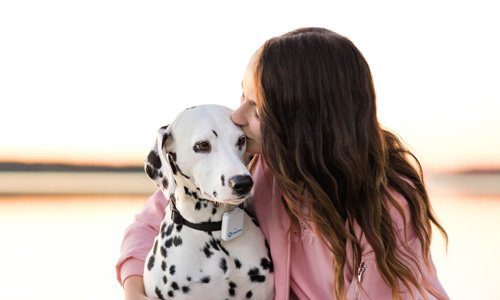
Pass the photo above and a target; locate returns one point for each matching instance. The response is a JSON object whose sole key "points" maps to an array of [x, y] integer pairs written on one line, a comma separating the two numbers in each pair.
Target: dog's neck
{"points": [[196, 209]]}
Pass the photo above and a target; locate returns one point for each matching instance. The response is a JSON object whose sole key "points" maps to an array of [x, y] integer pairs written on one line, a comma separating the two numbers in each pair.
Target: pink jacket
{"points": [[275, 223]]}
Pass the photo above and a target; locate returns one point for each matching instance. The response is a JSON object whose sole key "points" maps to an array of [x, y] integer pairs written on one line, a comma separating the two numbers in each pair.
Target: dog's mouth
{"points": [[231, 201], [235, 201]]}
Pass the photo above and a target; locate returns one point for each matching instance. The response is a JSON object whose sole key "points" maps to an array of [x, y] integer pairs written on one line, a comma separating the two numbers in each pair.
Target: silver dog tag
{"points": [[232, 224]]}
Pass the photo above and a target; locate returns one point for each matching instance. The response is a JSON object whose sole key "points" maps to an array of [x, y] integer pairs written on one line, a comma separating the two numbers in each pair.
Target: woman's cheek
{"points": [[253, 147]]}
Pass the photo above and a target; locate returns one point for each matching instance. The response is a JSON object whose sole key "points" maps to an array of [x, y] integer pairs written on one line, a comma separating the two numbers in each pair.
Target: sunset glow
{"points": [[91, 84]]}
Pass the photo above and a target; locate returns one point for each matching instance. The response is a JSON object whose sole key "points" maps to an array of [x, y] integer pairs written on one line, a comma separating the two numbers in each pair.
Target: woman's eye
{"points": [[256, 114], [202, 146], [241, 141]]}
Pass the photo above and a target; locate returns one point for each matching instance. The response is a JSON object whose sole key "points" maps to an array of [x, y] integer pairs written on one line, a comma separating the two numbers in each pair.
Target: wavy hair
{"points": [[324, 144]]}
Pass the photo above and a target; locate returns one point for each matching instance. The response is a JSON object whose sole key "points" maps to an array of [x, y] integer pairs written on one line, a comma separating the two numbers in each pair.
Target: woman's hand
{"points": [[134, 289]]}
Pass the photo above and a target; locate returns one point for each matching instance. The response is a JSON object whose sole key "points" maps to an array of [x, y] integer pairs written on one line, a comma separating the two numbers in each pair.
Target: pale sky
{"points": [[92, 81]]}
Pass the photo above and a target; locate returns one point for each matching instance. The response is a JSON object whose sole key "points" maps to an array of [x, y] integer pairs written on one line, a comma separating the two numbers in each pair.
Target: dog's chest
{"points": [[188, 263]]}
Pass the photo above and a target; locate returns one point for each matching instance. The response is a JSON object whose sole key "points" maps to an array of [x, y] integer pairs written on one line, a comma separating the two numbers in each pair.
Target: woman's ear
{"points": [[156, 164]]}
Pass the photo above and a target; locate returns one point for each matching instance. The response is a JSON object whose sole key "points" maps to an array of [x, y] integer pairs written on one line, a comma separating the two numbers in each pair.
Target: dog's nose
{"points": [[241, 184]]}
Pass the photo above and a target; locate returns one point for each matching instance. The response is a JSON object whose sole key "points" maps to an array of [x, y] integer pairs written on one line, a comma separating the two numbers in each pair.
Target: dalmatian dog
{"points": [[197, 162]]}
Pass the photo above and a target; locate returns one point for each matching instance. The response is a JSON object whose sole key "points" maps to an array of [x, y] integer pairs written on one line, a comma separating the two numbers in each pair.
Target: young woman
{"points": [[345, 211]]}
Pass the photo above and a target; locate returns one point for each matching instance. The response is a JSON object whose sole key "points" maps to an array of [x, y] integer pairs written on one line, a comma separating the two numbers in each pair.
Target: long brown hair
{"points": [[322, 140]]}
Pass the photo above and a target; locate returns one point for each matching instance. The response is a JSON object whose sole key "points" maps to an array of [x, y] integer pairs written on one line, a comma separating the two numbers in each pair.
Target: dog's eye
{"points": [[202, 146], [241, 141]]}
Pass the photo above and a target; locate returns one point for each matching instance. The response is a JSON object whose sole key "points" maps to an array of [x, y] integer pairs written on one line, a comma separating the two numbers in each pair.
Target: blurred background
{"points": [[84, 85]]}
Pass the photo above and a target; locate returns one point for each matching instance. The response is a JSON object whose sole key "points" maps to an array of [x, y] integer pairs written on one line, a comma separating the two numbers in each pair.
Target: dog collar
{"points": [[177, 218]]}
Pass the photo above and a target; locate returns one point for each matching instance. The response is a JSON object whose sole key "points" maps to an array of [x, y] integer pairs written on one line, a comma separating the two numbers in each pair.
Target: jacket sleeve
{"points": [[371, 284], [139, 237]]}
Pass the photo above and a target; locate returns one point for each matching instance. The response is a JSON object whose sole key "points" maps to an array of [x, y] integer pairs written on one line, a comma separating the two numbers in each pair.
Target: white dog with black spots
{"points": [[197, 162]]}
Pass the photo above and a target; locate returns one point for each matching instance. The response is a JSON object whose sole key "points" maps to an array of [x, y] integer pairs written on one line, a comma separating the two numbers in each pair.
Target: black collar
{"points": [[177, 218]]}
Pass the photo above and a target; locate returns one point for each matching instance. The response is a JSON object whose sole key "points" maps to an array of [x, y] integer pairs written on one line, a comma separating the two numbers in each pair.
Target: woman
{"points": [[346, 214]]}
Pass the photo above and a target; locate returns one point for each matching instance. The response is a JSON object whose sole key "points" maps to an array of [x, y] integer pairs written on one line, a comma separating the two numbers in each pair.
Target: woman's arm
{"points": [[139, 237], [134, 289]]}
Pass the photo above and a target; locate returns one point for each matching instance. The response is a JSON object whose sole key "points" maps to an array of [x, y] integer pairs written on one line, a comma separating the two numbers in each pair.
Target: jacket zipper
{"points": [[359, 276]]}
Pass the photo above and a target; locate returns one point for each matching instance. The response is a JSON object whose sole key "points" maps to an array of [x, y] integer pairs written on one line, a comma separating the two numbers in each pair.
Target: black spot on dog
{"points": [[271, 265], [207, 251], [215, 194], [152, 173], [185, 289], [197, 206], [216, 135], [164, 140], [186, 190], [154, 159], [232, 286], [222, 247], [178, 227], [170, 293], [223, 265], [172, 269], [163, 251], [173, 166], [205, 279], [205, 205], [214, 244], [177, 240], [266, 264], [165, 182], [255, 275], [160, 174], [155, 246], [249, 294], [163, 227], [222, 180], [214, 211], [237, 263], [165, 279], [164, 265], [168, 243], [174, 155], [169, 229], [175, 286], [159, 294], [151, 262], [188, 278]]}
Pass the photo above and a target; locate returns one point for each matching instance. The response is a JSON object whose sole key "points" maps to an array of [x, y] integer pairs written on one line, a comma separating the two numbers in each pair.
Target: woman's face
{"points": [[246, 115]]}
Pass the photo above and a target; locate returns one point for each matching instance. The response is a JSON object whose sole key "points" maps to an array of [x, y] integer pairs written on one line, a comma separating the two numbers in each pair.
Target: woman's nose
{"points": [[238, 117]]}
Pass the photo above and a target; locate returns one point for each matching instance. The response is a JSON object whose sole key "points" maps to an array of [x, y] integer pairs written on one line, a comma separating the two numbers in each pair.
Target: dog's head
{"points": [[202, 149]]}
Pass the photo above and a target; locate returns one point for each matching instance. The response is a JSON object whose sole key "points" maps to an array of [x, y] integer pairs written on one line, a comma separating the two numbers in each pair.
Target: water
{"points": [[63, 246]]}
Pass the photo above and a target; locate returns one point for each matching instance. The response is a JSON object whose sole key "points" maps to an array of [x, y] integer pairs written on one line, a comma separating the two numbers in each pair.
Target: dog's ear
{"points": [[156, 164]]}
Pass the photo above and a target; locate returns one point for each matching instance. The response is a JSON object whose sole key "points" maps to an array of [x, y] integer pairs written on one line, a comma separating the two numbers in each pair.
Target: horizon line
{"points": [[19, 166]]}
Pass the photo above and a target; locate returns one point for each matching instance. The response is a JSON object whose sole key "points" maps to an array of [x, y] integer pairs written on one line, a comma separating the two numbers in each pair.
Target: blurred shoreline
{"points": [[98, 180]]}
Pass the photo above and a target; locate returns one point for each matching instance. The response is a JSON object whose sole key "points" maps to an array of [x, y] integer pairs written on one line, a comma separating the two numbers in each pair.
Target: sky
{"points": [[92, 81]]}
